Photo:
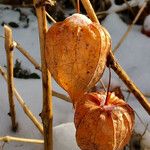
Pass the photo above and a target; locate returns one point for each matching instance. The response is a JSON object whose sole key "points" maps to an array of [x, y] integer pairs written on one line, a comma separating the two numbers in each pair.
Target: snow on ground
{"points": [[133, 55]]}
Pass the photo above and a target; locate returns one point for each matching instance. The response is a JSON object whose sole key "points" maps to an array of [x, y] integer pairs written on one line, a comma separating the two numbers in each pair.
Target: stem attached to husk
{"points": [[115, 65]]}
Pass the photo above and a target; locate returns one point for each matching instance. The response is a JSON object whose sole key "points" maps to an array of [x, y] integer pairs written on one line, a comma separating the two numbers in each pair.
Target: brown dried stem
{"points": [[116, 67], [129, 7], [78, 6], [17, 139], [27, 55], [10, 83], [128, 82], [61, 96], [130, 27], [50, 17], [47, 113], [23, 105]]}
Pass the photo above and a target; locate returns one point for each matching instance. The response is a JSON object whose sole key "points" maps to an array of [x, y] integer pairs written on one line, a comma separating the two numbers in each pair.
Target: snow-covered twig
{"points": [[130, 27], [115, 65], [10, 67], [23, 105], [47, 111], [17, 139]]}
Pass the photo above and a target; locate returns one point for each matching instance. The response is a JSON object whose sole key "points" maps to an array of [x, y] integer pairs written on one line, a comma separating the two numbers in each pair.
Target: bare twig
{"points": [[10, 83], [128, 82], [61, 96], [78, 6], [116, 67], [129, 28], [50, 17], [23, 105], [27, 55], [17, 139], [47, 113], [90, 11], [129, 7]]}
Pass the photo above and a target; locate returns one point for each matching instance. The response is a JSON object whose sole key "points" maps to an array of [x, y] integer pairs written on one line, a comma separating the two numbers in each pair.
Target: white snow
{"points": [[67, 138], [78, 19], [133, 55]]}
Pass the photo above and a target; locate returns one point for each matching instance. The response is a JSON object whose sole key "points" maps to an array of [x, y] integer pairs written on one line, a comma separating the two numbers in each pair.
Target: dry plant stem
{"points": [[17, 139], [78, 6], [10, 83], [50, 17], [129, 7], [28, 56], [128, 82], [130, 27], [23, 105], [90, 10], [47, 114], [61, 96], [117, 68]]}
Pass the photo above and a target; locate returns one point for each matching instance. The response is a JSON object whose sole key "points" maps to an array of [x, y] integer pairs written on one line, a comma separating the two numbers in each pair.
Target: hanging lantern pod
{"points": [[101, 126], [76, 52]]}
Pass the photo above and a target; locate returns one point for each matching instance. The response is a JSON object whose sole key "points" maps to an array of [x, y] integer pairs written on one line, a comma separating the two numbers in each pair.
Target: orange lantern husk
{"points": [[101, 126], [76, 52]]}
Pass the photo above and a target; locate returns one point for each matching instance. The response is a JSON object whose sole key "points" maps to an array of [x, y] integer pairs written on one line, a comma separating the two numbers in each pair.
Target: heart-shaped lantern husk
{"points": [[101, 126], [76, 51]]}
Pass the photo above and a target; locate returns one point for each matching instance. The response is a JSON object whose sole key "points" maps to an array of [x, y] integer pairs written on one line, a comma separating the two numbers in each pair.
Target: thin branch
{"points": [[128, 91], [10, 83], [78, 6], [61, 96], [130, 27], [116, 67], [17, 139], [90, 11], [23, 105], [129, 7], [47, 111], [50, 17], [27, 55], [128, 82]]}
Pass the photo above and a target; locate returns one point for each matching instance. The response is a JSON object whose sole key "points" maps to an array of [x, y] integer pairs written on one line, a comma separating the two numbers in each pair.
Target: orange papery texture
{"points": [[101, 126], [76, 52]]}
